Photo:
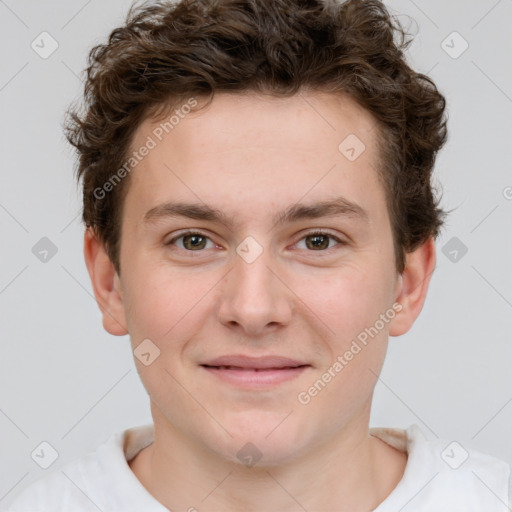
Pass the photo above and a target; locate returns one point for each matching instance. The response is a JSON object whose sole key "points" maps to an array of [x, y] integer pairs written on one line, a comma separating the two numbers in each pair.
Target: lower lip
{"points": [[256, 378]]}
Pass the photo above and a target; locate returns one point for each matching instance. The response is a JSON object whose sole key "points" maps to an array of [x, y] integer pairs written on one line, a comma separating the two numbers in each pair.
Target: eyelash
{"points": [[318, 232]]}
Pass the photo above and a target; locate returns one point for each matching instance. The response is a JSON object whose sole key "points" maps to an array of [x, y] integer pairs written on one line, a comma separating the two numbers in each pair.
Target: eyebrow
{"points": [[338, 206]]}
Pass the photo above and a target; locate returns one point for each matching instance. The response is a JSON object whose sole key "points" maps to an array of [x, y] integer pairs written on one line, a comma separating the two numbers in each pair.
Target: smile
{"points": [[251, 373]]}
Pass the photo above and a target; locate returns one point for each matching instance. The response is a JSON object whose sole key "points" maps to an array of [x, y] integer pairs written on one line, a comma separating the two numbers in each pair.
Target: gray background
{"points": [[65, 381]]}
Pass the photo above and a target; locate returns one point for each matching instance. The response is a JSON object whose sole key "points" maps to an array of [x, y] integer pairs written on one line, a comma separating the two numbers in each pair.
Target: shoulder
{"points": [[99, 480], [73, 486], [446, 475]]}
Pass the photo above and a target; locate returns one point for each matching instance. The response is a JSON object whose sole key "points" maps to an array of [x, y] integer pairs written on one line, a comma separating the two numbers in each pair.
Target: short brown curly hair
{"points": [[168, 51]]}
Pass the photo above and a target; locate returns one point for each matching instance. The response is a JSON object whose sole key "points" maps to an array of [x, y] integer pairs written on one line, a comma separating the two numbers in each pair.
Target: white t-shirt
{"points": [[439, 477]]}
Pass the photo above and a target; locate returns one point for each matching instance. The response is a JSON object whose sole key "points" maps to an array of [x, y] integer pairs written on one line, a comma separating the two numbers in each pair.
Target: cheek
{"points": [[351, 305], [349, 298], [162, 303]]}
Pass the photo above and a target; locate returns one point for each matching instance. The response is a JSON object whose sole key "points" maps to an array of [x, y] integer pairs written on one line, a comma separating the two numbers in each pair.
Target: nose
{"points": [[253, 297]]}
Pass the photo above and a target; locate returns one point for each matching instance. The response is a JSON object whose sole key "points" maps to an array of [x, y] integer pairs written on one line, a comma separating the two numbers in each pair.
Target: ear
{"points": [[106, 284], [413, 286]]}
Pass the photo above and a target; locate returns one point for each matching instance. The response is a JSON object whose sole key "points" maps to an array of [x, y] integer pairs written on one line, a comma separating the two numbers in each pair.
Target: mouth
{"points": [[251, 369], [249, 372]]}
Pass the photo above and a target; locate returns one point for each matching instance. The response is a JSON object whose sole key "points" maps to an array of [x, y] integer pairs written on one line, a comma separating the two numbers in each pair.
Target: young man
{"points": [[260, 244]]}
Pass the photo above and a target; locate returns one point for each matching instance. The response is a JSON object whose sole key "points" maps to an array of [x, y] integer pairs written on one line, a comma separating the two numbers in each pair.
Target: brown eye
{"points": [[317, 241], [191, 241], [320, 242]]}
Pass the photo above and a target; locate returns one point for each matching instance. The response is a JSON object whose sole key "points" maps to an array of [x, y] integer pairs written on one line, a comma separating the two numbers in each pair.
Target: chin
{"points": [[262, 440]]}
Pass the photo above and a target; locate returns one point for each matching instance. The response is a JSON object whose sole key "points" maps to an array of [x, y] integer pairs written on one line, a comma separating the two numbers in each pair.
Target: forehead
{"points": [[260, 152]]}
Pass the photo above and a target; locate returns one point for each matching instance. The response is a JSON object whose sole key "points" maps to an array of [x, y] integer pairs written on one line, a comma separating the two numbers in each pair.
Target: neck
{"points": [[352, 471]]}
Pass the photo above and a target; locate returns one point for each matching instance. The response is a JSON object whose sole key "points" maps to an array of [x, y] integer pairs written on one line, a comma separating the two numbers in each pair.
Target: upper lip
{"points": [[264, 363]]}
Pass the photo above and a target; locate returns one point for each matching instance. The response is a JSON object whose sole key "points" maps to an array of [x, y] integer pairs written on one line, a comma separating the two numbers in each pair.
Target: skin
{"points": [[252, 156]]}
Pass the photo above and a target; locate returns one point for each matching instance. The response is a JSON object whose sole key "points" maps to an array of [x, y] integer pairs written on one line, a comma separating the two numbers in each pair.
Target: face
{"points": [[258, 317]]}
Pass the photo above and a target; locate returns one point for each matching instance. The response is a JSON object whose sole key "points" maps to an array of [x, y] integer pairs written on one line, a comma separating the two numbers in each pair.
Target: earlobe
{"points": [[415, 279], [105, 284]]}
